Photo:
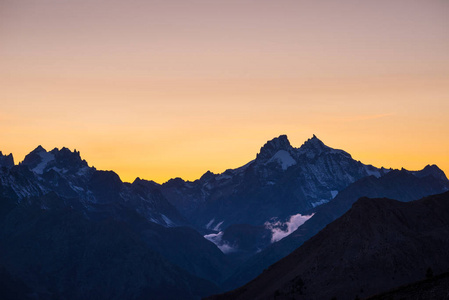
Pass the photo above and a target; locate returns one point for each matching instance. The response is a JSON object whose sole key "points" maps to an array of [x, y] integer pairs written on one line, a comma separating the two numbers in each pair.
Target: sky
{"points": [[173, 88]]}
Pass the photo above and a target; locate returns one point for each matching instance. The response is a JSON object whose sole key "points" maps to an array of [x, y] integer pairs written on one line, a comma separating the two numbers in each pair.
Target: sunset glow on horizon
{"points": [[164, 89]]}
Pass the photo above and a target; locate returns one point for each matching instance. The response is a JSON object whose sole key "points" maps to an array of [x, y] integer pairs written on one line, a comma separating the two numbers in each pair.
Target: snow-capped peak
{"points": [[272, 147], [64, 160]]}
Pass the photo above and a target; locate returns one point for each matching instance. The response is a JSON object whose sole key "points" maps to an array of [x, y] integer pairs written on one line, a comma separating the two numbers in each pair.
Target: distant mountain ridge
{"points": [[282, 181], [64, 172]]}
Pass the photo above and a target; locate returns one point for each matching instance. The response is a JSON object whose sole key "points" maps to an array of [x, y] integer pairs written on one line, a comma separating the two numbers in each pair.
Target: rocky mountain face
{"points": [[280, 182], [6, 161], [377, 245]]}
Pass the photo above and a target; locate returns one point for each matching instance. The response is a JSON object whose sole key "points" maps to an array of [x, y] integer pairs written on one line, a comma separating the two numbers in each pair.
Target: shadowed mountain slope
{"points": [[59, 181], [377, 245], [60, 254], [434, 287]]}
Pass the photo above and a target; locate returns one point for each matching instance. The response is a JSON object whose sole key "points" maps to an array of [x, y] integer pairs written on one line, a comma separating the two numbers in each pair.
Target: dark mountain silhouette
{"points": [[200, 230], [377, 245], [401, 185], [60, 254], [6, 161]]}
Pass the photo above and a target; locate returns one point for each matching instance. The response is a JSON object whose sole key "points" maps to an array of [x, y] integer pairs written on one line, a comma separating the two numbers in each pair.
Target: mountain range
{"points": [[70, 231], [281, 181]]}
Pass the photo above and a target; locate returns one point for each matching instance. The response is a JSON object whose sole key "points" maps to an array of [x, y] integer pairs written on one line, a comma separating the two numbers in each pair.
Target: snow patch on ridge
{"points": [[223, 177], [334, 194], [167, 221], [46, 157], [318, 203], [284, 159], [208, 225], [370, 170]]}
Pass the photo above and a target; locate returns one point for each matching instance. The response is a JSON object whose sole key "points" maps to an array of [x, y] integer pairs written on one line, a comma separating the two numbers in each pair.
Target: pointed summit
{"points": [[271, 147], [33, 158], [38, 149], [314, 146], [40, 160], [315, 142], [207, 176], [6, 160]]}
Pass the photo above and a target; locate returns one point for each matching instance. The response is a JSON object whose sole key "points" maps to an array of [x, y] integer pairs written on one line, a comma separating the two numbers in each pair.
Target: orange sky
{"points": [[160, 89]]}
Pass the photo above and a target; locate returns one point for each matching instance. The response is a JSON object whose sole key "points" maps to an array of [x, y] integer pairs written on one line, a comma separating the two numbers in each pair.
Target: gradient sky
{"points": [[161, 89]]}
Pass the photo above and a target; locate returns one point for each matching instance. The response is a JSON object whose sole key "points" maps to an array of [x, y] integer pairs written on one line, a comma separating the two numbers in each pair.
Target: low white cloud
{"points": [[216, 238], [280, 229]]}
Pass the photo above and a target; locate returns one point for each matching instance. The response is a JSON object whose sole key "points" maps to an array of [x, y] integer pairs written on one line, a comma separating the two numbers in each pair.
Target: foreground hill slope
{"points": [[434, 287], [377, 245]]}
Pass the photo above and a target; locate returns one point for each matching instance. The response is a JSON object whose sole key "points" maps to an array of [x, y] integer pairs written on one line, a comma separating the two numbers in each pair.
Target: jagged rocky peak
{"points": [[39, 149], [138, 180], [68, 159], [431, 170], [207, 176], [147, 183], [272, 147], [39, 160], [314, 146], [174, 183], [6, 160]]}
